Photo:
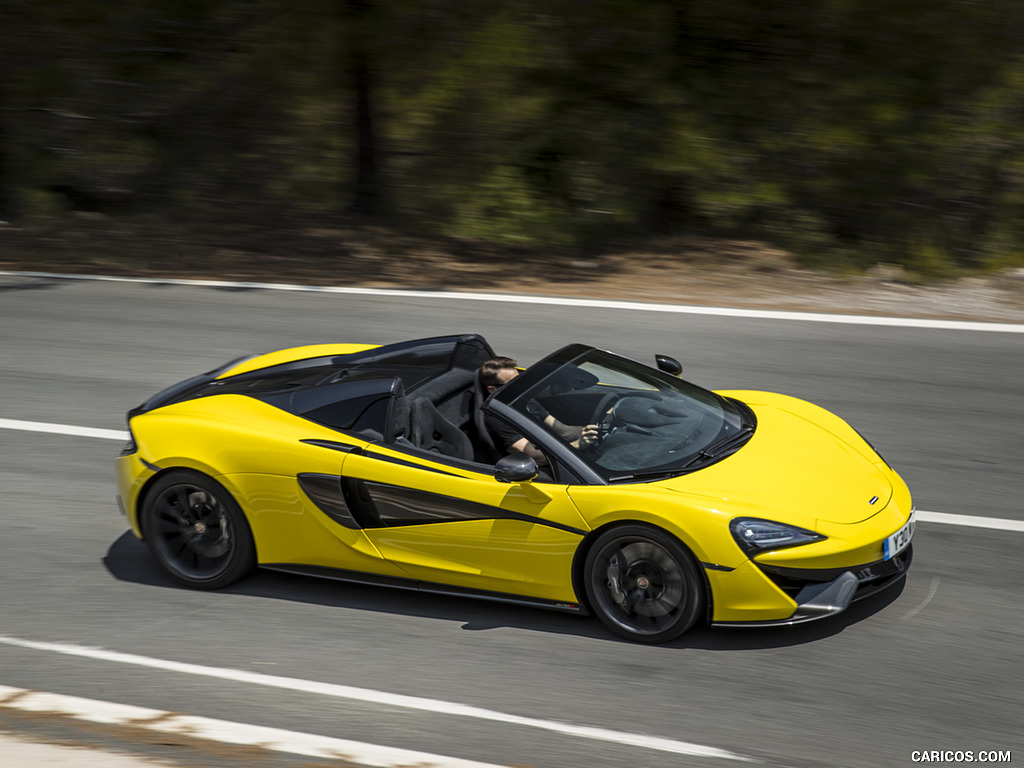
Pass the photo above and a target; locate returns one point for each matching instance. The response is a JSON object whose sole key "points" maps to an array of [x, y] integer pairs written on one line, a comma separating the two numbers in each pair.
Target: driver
{"points": [[500, 370]]}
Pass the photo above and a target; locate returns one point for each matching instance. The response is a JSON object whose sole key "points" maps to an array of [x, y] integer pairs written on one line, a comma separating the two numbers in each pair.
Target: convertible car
{"points": [[376, 464]]}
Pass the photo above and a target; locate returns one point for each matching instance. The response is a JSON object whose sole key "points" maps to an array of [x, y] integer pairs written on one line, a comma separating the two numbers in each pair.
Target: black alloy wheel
{"points": [[197, 531], [643, 583]]}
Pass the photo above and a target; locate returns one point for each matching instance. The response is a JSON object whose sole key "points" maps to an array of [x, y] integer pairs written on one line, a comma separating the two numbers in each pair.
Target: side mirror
{"points": [[669, 365], [515, 468]]}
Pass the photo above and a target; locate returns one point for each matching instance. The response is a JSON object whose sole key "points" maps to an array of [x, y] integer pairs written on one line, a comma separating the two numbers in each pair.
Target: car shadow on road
{"points": [[129, 560]]}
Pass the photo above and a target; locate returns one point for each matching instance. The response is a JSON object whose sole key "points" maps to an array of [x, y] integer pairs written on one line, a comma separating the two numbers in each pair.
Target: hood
{"points": [[794, 466]]}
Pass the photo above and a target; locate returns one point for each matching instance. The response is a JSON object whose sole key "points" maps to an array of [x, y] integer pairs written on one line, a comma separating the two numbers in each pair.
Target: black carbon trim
{"points": [[325, 492], [383, 505], [413, 585], [871, 577], [182, 389], [866, 572], [149, 464], [332, 445], [873, 581], [404, 463], [717, 567]]}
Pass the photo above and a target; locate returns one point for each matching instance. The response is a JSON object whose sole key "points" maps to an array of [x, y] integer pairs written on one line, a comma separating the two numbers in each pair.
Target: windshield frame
{"points": [[737, 420]]}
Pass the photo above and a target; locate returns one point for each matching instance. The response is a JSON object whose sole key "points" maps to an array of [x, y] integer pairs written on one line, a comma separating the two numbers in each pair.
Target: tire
{"points": [[197, 531], [643, 583]]}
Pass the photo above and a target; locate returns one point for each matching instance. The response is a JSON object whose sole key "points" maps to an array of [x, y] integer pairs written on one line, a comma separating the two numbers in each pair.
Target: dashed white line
{"points": [[633, 306], [368, 695], [64, 429], [968, 521], [224, 731], [971, 521]]}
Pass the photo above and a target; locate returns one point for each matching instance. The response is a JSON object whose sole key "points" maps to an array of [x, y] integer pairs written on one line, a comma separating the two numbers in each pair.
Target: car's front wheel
{"points": [[196, 530], [643, 583]]}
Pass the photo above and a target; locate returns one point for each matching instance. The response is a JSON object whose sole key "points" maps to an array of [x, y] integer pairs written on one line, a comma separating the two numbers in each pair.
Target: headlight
{"points": [[755, 535]]}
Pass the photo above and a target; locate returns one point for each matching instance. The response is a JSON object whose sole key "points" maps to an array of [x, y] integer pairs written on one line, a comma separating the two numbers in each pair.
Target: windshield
{"points": [[648, 423]]}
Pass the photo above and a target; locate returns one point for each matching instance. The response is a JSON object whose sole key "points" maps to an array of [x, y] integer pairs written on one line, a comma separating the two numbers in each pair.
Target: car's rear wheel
{"points": [[643, 583], [197, 531]]}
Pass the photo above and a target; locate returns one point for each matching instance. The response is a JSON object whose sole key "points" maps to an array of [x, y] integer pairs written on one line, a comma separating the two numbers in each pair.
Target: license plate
{"points": [[900, 540]]}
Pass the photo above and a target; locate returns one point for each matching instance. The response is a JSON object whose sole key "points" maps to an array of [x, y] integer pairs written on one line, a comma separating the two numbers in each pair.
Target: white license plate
{"points": [[900, 540]]}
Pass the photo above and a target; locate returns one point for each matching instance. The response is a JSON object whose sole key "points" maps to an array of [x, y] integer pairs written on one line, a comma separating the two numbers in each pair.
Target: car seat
{"points": [[431, 431]]}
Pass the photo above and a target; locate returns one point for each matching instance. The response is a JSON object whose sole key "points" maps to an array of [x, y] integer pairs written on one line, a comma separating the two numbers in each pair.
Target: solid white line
{"points": [[969, 521], [64, 429], [224, 731], [633, 306], [368, 695]]}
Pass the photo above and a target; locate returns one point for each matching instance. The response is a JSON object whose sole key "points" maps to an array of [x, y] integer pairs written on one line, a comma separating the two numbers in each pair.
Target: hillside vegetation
{"points": [[845, 132]]}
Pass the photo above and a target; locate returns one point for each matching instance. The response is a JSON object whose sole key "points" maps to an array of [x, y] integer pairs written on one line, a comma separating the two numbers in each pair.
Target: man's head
{"points": [[496, 371]]}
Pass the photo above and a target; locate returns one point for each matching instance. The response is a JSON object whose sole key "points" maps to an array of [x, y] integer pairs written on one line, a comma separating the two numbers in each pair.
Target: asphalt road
{"points": [[935, 665]]}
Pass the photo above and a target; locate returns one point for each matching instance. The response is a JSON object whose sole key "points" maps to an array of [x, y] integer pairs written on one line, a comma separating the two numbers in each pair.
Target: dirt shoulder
{"points": [[682, 270]]}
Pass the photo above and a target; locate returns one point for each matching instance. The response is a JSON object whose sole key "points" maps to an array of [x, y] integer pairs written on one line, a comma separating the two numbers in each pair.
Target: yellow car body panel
{"points": [[695, 522], [289, 529], [834, 480], [745, 595], [739, 591], [253, 450], [849, 546], [232, 434], [528, 552], [501, 556]]}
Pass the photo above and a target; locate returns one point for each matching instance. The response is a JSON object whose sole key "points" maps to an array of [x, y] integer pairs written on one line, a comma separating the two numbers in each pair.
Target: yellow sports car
{"points": [[644, 499]]}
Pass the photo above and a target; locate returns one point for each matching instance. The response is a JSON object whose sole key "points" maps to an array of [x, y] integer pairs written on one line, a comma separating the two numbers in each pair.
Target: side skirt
{"points": [[413, 585]]}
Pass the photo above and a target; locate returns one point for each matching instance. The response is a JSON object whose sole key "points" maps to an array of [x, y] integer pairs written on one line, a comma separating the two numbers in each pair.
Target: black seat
{"points": [[452, 393], [431, 431], [398, 417], [486, 451]]}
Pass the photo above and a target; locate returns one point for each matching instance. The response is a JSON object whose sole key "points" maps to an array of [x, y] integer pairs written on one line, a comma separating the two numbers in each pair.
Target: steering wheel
{"points": [[604, 416]]}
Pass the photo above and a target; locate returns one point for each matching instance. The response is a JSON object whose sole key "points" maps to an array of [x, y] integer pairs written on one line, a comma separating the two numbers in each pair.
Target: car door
{"points": [[450, 522]]}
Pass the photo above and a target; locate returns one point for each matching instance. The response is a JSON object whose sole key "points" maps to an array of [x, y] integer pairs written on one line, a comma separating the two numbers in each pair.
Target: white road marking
{"points": [[968, 521], [64, 429], [368, 695], [224, 731], [633, 306], [971, 521]]}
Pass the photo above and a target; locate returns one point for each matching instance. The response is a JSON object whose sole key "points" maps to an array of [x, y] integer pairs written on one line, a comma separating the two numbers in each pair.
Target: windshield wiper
{"points": [[649, 474], [722, 448]]}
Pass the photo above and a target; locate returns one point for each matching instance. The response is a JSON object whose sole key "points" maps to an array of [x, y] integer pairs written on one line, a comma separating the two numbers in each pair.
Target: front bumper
{"points": [[819, 593]]}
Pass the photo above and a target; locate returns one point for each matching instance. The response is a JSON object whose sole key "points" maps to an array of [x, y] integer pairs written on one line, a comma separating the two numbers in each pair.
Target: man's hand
{"points": [[588, 437]]}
